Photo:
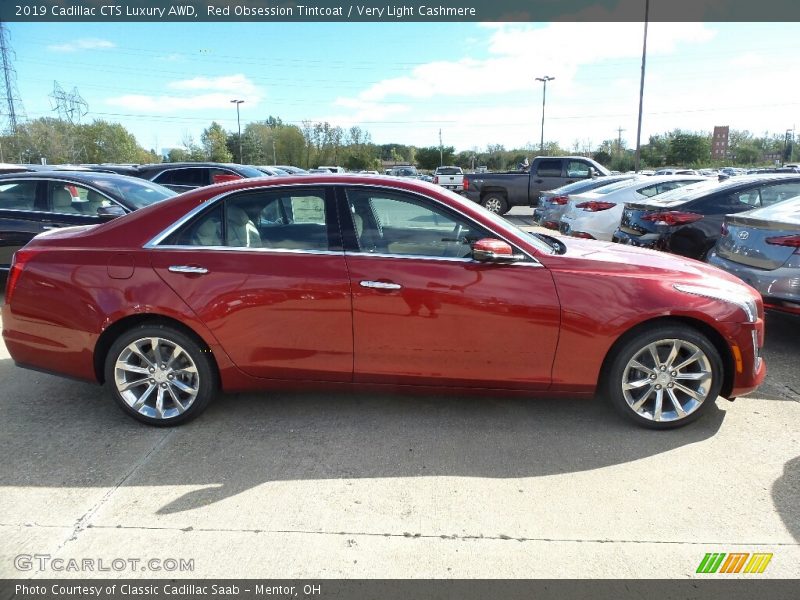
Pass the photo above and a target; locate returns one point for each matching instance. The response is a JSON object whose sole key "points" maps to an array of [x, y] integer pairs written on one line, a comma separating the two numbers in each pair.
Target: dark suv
{"points": [[182, 177]]}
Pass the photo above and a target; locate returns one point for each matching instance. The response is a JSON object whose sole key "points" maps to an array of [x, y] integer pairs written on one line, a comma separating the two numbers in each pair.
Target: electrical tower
{"points": [[11, 111], [69, 106]]}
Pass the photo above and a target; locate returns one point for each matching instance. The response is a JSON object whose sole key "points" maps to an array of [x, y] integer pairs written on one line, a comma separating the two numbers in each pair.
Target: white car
{"points": [[595, 215]]}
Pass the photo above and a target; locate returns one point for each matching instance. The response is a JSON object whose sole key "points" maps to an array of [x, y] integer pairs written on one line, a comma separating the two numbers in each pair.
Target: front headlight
{"points": [[736, 296]]}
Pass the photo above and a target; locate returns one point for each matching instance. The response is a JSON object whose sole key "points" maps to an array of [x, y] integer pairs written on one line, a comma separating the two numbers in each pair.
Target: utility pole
{"points": [[10, 98], [544, 81], [636, 160], [619, 140], [441, 154], [239, 127], [274, 156]]}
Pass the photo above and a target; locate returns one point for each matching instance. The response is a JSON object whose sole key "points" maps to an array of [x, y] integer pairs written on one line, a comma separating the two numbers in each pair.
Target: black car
{"points": [[690, 223], [34, 202], [186, 176]]}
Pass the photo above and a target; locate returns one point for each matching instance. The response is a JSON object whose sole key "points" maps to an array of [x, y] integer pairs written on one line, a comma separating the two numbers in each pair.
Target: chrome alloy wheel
{"points": [[493, 204], [156, 377], [667, 380]]}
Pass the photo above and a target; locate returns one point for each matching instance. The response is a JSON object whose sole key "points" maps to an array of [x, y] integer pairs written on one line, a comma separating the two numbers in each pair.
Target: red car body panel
{"points": [[278, 318]]}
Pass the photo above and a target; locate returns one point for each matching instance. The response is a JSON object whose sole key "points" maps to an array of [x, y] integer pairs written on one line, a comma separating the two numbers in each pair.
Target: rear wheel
{"points": [[664, 377], [160, 375], [495, 203]]}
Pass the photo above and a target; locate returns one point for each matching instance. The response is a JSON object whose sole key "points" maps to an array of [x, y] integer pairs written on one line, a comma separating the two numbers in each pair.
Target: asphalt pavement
{"points": [[324, 485]]}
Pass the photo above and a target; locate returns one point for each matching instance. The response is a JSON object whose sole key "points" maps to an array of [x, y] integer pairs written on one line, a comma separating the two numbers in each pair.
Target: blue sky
{"points": [[403, 82]]}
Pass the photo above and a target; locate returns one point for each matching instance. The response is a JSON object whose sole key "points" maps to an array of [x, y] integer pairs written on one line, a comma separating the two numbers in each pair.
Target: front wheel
{"points": [[160, 375], [664, 377], [495, 203]]}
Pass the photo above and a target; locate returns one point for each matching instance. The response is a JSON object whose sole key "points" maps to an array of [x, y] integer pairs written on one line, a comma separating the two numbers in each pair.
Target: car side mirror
{"points": [[592, 173], [110, 212], [493, 250]]}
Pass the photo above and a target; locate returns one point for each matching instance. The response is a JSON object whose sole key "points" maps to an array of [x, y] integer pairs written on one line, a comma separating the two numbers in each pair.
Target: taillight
{"points": [[672, 218], [435, 179], [20, 259], [582, 234], [792, 241], [559, 200], [223, 177], [466, 184], [595, 206], [550, 224]]}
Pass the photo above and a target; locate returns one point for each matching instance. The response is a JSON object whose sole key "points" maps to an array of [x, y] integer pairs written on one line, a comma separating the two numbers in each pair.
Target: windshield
{"points": [[136, 193]]}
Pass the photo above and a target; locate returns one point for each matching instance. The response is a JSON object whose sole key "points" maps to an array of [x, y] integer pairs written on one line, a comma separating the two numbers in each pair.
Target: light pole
{"points": [[638, 156], [544, 81], [239, 127]]}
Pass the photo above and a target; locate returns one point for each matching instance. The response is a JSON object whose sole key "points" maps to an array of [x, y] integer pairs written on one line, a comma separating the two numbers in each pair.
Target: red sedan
{"points": [[372, 281]]}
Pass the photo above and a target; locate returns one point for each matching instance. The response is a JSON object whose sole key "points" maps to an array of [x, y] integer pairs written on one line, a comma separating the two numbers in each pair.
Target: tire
{"points": [[691, 380], [495, 203], [169, 391]]}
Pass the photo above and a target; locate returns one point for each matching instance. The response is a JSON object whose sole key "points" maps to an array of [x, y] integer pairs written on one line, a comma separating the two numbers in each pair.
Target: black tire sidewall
{"points": [[199, 354], [624, 353]]}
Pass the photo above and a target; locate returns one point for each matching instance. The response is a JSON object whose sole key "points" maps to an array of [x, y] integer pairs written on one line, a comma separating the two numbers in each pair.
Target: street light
{"points": [[239, 126], [544, 81]]}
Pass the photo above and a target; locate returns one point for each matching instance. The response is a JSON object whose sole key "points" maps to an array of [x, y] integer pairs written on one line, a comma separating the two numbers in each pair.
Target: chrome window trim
{"points": [[251, 249], [155, 242]]}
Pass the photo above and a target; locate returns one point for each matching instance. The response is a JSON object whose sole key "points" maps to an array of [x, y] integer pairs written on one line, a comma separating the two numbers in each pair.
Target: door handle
{"points": [[380, 285], [188, 269]]}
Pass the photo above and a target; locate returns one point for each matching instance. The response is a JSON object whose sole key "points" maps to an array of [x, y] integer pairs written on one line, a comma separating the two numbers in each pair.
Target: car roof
{"points": [[86, 176]]}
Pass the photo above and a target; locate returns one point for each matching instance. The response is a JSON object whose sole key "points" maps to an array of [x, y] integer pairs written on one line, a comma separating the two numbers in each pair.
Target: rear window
{"points": [[137, 193], [448, 171]]}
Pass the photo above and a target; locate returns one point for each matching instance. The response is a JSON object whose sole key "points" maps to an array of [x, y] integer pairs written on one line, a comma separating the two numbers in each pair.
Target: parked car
{"points": [[762, 247], [182, 177], [34, 202], [451, 178], [553, 202], [272, 171], [355, 280], [500, 191], [292, 170], [689, 223], [403, 171], [595, 215], [675, 171], [333, 169]]}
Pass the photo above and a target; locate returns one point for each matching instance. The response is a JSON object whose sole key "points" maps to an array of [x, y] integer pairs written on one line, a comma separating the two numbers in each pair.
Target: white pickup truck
{"points": [[450, 177]]}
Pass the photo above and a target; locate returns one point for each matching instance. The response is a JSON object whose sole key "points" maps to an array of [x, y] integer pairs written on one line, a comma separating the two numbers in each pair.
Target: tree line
{"points": [[311, 144]]}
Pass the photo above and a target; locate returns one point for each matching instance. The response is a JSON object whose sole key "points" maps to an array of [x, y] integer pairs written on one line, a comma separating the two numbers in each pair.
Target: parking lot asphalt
{"points": [[318, 485]]}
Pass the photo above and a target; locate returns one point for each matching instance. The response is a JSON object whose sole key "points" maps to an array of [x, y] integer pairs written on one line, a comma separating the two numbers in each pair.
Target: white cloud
{"points": [[217, 94], [83, 44]]}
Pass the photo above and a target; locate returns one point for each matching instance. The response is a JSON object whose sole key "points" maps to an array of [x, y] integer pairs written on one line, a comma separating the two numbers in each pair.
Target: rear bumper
{"points": [[776, 286], [648, 240]]}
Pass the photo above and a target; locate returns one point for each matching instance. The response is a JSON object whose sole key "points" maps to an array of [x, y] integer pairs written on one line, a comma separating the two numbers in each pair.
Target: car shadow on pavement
{"points": [[785, 494], [61, 433]]}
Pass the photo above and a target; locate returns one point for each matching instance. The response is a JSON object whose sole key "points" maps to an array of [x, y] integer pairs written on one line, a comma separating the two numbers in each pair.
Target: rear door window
{"points": [[190, 177], [549, 168], [18, 195], [779, 192]]}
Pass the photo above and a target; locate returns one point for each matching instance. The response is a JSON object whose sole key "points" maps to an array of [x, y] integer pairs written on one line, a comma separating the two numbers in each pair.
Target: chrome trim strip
{"points": [[246, 249], [216, 199], [440, 259]]}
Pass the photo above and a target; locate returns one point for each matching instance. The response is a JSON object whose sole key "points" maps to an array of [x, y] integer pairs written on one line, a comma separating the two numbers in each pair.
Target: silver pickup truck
{"points": [[450, 177]]}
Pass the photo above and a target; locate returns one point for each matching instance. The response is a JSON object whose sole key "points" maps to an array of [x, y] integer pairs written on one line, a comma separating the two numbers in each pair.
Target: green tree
{"points": [[688, 149], [430, 158], [215, 143]]}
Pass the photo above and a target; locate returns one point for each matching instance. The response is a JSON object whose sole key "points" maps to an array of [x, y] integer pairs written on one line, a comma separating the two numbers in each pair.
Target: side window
{"points": [[282, 220], [648, 191], [222, 175], [549, 168], [70, 198], [721, 204], [779, 192], [193, 177], [18, 195], [394, 223], [670, 185], [577, 169]]}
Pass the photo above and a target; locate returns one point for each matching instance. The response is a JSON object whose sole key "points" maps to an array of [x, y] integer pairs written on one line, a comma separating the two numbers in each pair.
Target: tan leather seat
{"points": [[242, 232], [62, 201]]}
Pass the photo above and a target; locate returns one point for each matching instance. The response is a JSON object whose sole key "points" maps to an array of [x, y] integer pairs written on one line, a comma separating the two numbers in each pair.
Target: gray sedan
{"points": [[762, 247]]}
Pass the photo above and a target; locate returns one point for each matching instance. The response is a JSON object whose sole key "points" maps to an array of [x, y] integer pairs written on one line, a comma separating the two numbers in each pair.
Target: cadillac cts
{"points": [[338, 280]]}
